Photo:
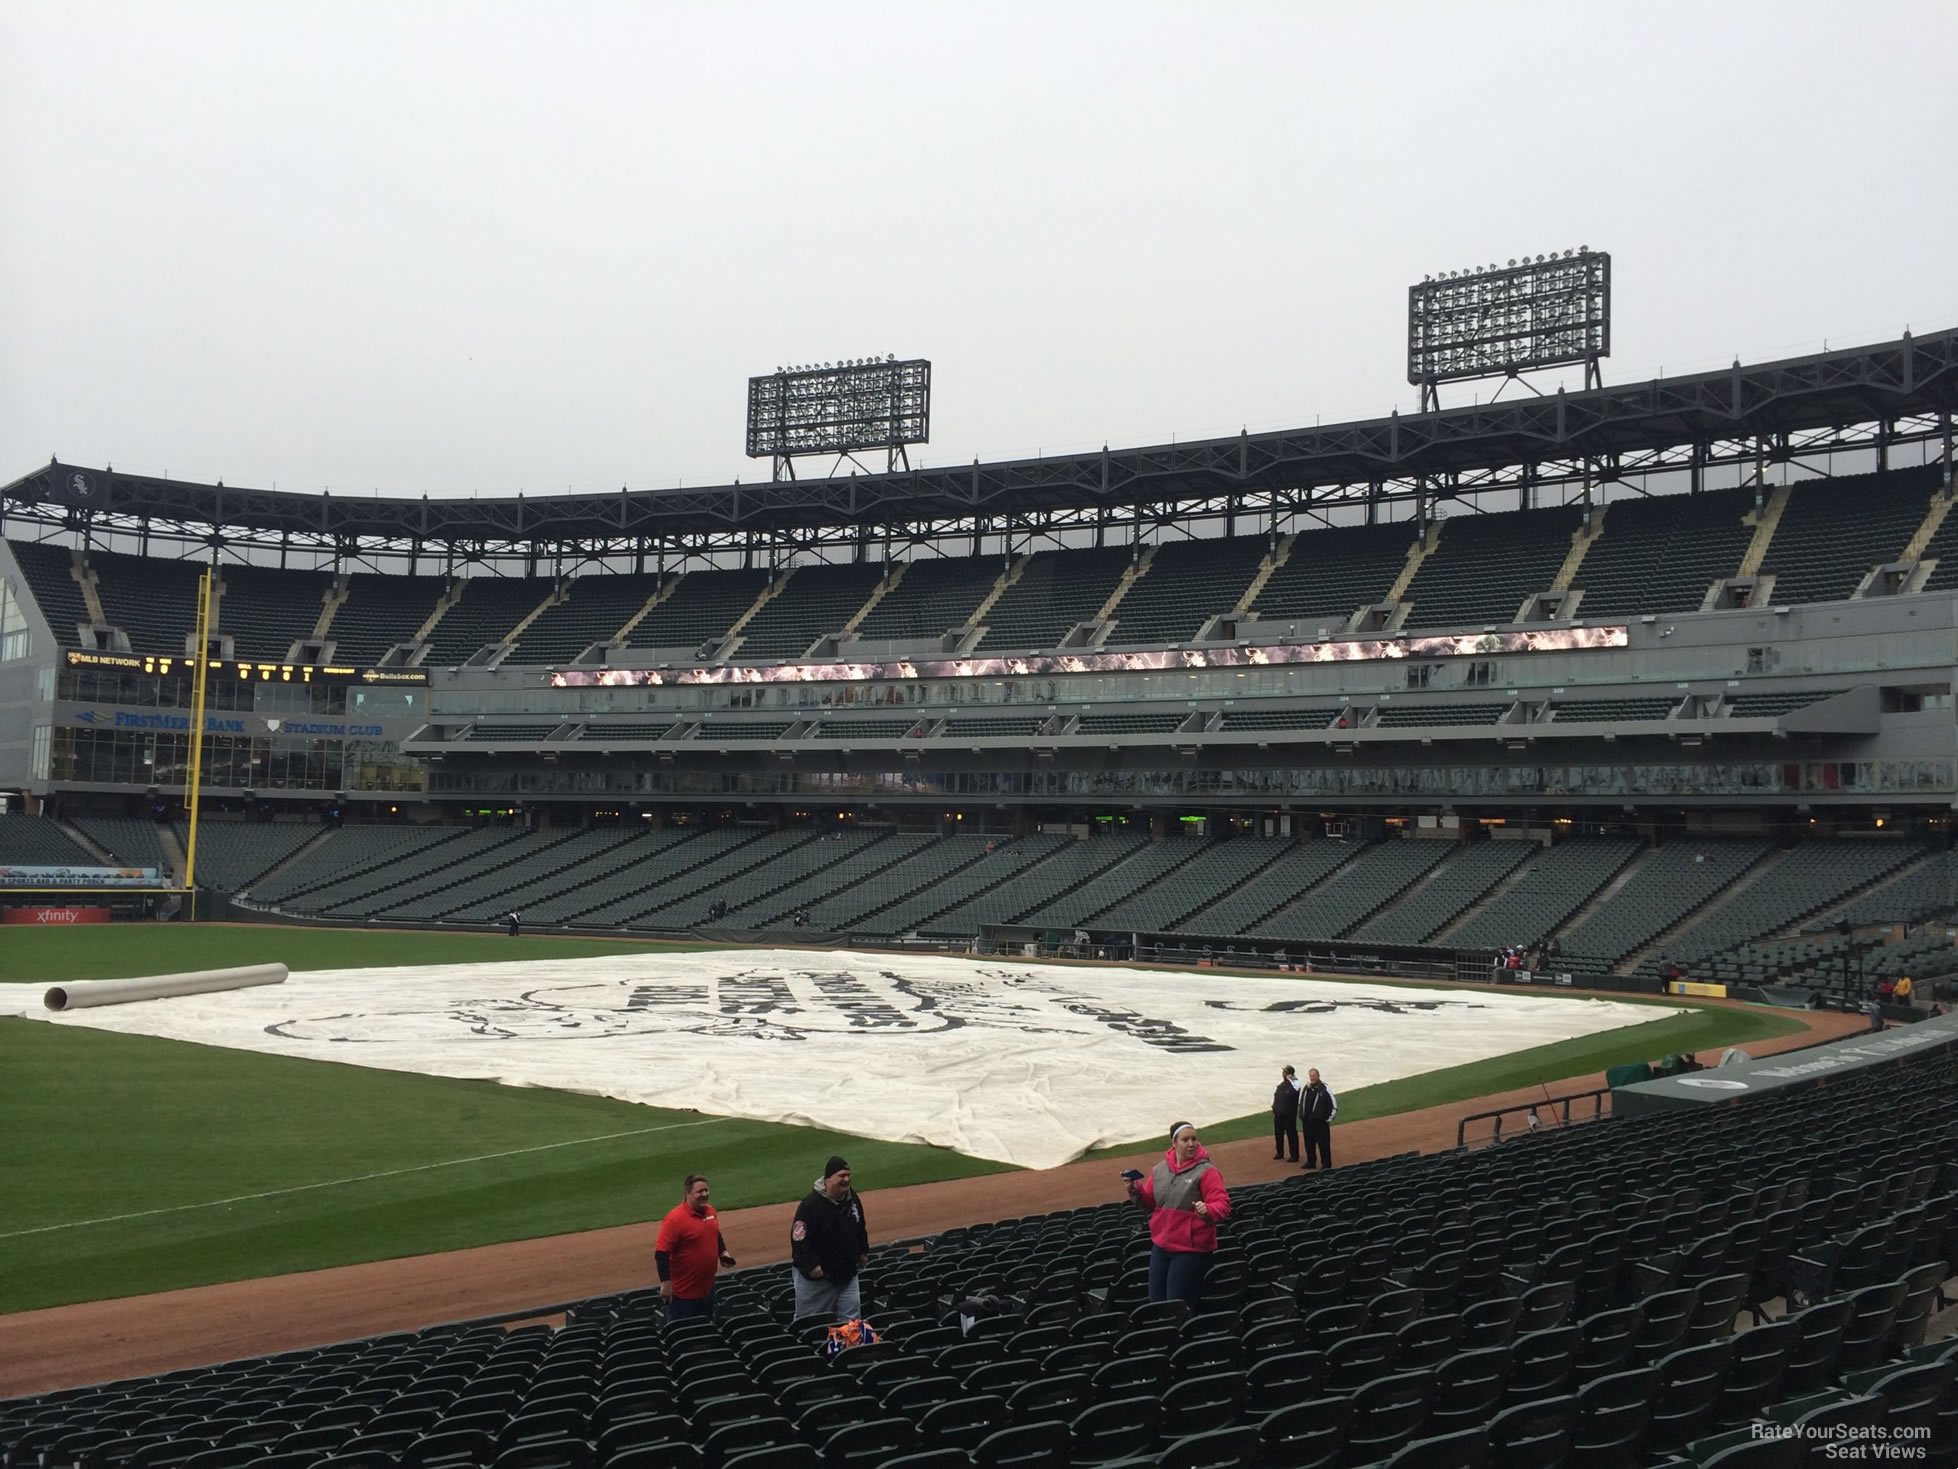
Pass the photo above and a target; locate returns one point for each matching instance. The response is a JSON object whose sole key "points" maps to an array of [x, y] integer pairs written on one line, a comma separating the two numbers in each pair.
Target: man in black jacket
{"points": [[1317, 1108], [1285, 1115], [829, 1244]]}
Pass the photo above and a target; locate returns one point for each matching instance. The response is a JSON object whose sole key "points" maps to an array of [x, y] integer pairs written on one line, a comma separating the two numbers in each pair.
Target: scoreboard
{"points": [[247, 670]]}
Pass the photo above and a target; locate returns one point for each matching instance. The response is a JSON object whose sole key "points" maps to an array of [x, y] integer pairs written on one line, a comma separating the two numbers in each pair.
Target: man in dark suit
{"points": [[1317, 1108], [1285, 1116]]}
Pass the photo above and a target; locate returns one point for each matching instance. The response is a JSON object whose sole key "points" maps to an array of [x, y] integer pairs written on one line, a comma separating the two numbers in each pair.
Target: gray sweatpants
{"points": [[821, 1298]]}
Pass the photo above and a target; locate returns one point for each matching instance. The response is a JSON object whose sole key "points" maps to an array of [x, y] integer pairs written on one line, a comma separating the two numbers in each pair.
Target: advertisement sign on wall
{"points": [[55, 917]]}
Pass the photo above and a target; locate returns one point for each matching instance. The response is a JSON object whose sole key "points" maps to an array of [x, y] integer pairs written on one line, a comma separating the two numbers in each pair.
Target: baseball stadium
{"points": [[1568, 779]]}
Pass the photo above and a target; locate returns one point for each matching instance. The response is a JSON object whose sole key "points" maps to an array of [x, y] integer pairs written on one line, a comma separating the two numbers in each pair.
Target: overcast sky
{"points": [[484, 247]]}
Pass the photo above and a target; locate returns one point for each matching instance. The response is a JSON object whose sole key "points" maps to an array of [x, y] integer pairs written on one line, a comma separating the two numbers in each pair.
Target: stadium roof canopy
{"points": [[1860, 397]]}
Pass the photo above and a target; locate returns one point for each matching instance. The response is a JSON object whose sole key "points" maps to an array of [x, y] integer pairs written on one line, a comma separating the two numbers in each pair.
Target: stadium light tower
{"points": [[841, 408], [1506, 320]]}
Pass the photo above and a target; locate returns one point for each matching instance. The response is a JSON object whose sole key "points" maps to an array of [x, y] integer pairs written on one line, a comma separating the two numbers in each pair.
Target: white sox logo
{"points": [[782, 1004]]}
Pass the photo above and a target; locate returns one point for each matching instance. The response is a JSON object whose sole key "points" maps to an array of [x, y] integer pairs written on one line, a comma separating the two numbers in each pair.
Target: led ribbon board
{"points": [[1346, 650]]}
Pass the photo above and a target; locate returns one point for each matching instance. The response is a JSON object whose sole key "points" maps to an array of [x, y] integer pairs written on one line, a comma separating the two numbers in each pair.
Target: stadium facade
{"points": [[1716, 604]]}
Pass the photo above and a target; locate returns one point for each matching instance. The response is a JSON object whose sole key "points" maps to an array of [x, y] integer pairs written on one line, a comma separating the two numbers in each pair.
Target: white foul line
{"points": [[300, 1188]]}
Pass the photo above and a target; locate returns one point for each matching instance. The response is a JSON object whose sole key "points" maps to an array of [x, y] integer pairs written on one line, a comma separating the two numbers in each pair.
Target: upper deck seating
{"points": [[1663, 554], [699, 610], [150, 598], [1833, 531], [1331, 574], [489, 608], [381, 611], [593, 609], [1485, 565], [817, 600], [266, 609], [1188, 582], [1055, 591], [46, 569], [1943, 548], [933, 596]]}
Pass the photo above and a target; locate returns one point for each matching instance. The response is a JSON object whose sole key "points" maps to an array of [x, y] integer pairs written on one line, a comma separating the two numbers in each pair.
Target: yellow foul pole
{"points": [[193, 783]]}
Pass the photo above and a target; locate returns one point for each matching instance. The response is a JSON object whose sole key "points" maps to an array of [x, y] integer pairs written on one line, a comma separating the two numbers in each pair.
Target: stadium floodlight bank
{"points": [[842, 409], [1499, 321]]}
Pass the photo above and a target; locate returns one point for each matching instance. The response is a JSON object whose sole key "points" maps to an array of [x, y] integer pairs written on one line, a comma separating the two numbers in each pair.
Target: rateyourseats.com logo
{"points": [[1855, 1443]]}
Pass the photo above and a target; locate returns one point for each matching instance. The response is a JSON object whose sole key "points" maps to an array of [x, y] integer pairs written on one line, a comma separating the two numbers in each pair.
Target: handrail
{"points": [[1595, 1096]]}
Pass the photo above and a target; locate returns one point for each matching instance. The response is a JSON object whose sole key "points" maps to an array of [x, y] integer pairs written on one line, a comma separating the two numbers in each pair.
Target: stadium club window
{"points": [[1420, 675], [13, 626]]}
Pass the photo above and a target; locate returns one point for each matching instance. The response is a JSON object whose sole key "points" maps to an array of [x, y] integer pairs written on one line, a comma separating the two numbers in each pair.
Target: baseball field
{"points": [[137, 1164]]}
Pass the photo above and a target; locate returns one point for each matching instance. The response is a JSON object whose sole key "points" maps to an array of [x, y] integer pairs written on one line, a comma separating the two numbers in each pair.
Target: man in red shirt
{"points": [[688, 1252]]}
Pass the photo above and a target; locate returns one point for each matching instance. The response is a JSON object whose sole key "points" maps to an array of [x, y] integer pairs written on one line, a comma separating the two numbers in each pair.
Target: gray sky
{"points": [[484, 247]]}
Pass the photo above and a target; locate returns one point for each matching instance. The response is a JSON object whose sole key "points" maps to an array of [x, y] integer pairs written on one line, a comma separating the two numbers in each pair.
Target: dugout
{"points": [[1747, 1080]]}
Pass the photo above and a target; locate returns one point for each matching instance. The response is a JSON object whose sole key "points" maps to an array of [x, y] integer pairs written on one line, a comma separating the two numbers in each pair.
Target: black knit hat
{"points": [[833, 1167]]}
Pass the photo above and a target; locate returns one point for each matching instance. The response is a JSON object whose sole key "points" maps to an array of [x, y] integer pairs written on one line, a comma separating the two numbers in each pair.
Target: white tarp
{"points": [[1025, 1063]]}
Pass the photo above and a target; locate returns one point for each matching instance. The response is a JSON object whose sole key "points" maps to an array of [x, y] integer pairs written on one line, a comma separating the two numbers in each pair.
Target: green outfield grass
{"points": [[135, 1164], [146, 1136], [121, 951]]}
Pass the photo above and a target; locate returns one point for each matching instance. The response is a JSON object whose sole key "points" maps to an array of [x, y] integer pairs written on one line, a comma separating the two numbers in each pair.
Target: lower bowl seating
{"points": [[1572, 1297]]}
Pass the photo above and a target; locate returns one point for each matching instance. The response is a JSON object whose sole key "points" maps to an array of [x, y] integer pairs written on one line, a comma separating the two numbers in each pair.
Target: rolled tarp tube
{"points": [[84, 993]]}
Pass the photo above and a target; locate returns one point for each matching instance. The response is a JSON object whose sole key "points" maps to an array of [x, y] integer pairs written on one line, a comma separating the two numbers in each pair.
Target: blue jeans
{"points": [[1176, 1275], [678, 1309]]}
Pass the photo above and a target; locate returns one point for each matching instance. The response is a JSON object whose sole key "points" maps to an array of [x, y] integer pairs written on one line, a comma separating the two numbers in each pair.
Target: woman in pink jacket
{"points": [[1186, 1200]]}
